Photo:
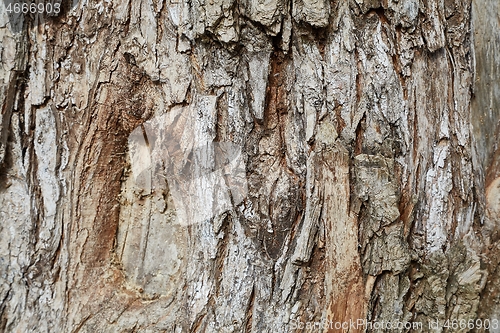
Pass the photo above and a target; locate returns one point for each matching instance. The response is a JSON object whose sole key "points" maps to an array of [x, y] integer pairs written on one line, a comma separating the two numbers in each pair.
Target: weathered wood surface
{"points": [[242, 166]]}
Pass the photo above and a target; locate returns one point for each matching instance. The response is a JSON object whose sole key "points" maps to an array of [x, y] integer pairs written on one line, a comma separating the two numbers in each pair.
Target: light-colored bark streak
{"points": [[246, 166]]}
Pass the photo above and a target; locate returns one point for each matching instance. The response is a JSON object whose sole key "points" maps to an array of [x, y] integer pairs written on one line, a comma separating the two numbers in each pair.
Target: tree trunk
{"points": [[250, 166]]}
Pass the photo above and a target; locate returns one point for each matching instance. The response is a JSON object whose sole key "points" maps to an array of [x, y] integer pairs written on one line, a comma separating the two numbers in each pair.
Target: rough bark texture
{"points": [[247, 165]]}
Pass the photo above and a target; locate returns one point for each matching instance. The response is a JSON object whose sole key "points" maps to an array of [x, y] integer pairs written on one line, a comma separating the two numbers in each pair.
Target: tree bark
{"points": [[250, 166]]}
